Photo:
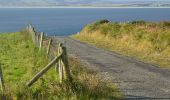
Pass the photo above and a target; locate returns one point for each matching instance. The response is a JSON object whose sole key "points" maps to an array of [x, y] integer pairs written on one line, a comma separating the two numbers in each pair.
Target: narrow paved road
{"points": [[134, 78]]}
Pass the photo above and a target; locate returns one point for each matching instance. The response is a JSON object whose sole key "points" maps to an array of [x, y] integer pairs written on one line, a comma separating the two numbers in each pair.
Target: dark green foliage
{"points": [[101, 22], [164, 24], [140, 22]]}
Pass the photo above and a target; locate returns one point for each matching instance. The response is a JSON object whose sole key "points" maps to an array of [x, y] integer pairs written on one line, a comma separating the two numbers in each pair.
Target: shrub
{"points": [[101, 22], [139, 22], [164, 24], [95, 26]]}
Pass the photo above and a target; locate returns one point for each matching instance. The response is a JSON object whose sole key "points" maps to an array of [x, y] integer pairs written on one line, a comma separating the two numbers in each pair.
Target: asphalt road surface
{"points": [[136, 79]]}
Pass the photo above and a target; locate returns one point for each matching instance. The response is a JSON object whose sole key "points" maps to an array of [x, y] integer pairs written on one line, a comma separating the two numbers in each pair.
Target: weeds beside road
{"points": [[21, 60], [146, 41]]}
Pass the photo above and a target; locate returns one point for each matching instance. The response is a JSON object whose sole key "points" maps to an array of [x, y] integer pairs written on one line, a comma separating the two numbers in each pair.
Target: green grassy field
{"points": [[21, 60], [146, 41]]}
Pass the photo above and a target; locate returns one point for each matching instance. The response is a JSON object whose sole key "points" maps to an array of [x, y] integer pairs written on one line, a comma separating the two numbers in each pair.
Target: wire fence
{"points": [[60, 61]]}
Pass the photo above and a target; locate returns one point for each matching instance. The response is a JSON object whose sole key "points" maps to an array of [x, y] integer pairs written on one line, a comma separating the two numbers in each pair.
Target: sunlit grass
{"points": [[21, 60], [146, 41]]}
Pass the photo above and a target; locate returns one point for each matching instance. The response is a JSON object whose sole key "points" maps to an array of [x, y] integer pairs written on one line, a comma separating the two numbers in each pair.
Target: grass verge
{"points": [[146, 41], [21, 60]]}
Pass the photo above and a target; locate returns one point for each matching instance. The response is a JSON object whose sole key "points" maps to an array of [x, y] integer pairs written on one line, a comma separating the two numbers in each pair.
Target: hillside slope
{"points": [[146, 41]]}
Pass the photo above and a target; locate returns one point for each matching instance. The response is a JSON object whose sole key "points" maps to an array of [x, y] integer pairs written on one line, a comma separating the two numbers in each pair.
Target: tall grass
{"points": [[21, 60], [147, 41]]}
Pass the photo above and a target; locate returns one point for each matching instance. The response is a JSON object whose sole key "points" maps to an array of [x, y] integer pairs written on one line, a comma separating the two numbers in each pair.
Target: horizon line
{"points": [[80, 7]]}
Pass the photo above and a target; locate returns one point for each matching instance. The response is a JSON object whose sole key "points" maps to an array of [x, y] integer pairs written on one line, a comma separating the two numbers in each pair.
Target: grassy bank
{"points": [[147, 41], [21, 60]]}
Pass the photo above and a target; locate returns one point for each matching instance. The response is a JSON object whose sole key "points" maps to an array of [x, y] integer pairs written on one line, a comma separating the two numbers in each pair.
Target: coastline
{"points": [[87, 7]]}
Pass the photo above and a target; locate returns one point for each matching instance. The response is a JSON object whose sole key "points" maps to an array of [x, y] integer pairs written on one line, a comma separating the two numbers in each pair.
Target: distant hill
{"points": [[99, 3]]}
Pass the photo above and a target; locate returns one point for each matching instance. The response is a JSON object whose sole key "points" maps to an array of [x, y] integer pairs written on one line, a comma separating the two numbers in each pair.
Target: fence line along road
{"points": [[60, 61]]}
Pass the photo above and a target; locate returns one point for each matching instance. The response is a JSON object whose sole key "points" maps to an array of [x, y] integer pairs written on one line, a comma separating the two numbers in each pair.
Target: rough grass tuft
{"points": [[146, 41]]}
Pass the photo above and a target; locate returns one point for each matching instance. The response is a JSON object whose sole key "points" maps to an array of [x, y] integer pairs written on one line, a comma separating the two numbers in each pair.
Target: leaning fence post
{"points": [[45, 69], [1, 80], [41, 40], [49, 44]]}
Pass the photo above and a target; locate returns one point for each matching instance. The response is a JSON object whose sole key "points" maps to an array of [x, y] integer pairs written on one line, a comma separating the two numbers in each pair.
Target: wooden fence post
{"points": [[60, 69], [61, 59], [32, 32], [65, 64], [37, 40], [49, 44], [63, 68], [41, 40], [1, 80]]}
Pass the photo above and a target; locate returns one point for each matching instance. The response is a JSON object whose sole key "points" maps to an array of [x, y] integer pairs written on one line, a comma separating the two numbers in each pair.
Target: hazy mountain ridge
{"points": [[110, 3]]}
